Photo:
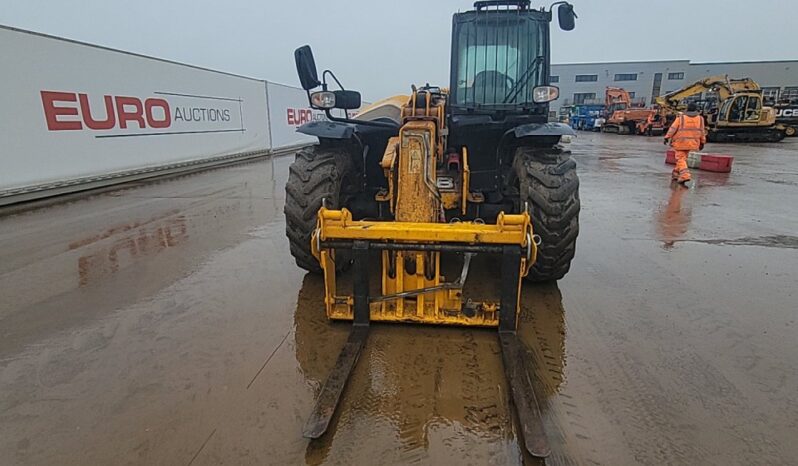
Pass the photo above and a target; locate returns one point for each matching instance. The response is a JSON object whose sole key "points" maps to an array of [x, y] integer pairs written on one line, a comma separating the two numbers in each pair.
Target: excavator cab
{"points": [[745, 110], [742, 109]]}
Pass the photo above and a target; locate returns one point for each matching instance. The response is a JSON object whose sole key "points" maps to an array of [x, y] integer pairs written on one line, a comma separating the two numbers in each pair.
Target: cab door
{"points": [[753, 110]]}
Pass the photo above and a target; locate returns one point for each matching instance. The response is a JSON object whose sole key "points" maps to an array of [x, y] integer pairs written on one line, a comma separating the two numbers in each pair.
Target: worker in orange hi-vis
{"points": [[686, 134]]}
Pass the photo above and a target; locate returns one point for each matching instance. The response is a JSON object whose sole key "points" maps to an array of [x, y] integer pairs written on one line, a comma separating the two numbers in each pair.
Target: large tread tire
{"points": [[318, 173], [549, 186]]}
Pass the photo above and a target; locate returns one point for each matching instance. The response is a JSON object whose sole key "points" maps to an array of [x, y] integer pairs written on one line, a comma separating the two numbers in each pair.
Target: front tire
{"points": [[549, 186], [322, 172]]}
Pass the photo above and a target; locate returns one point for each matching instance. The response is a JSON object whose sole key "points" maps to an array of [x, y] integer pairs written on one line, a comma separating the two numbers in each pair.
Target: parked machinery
{"points": [[741, 115], [587, 117], [787, 116], [467, 170], [564, 114], [655, 123], [623, 117]]}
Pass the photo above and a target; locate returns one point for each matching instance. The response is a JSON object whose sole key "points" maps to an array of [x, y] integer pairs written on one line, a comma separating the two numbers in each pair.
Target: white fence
{"points": [[76, 116], [288, 110]]}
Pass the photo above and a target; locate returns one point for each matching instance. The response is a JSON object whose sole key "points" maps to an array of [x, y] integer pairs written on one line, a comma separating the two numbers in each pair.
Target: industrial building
{"points": [[644, 80]]}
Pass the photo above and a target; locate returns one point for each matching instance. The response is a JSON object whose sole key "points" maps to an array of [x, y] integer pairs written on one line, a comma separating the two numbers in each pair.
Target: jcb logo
{"points": [[786, 112]]}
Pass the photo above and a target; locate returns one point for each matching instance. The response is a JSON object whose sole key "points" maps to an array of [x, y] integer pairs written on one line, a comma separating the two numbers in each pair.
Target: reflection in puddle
{"points": [[673, 220], [542, 329], [146, 240], [437, 393]]}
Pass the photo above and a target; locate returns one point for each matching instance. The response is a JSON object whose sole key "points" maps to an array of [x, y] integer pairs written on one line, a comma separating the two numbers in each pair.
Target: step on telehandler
{"points": [[470, 169]]}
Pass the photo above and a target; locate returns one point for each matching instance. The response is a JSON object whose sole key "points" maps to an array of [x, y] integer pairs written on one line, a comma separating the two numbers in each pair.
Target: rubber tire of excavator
{"points": [[318, 172], [549, 186]]}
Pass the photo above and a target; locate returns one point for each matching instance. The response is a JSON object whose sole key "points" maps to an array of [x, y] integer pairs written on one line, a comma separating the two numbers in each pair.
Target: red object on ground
{"points": [[709, 162], [670, 157], [716, 163]]}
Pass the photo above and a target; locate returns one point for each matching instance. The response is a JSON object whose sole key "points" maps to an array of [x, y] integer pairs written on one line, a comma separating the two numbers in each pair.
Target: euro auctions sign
{"points": [[300, 116], [161, 113], [73, 112]]}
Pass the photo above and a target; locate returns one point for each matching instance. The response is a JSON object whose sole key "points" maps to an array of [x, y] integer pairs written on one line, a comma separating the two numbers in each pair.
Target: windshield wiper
{"points": [[513, 92]]}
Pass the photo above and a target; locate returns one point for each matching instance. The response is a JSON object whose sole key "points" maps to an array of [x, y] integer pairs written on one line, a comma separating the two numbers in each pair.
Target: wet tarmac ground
{"points": [[166, 323]]}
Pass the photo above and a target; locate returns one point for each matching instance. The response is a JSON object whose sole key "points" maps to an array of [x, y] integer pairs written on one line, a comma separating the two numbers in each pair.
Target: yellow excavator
{"points": [[472, 169], [741, 115]]}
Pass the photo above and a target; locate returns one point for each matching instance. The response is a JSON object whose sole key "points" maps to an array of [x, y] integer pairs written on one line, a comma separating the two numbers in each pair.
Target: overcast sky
{"points": [[381, 47]]}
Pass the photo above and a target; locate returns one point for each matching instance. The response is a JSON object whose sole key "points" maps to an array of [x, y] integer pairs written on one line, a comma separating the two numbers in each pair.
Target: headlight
{"points": [[323, 99], [542, 94]]}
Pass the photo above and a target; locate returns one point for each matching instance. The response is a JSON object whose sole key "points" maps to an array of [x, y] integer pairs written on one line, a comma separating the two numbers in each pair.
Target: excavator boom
{"points": [[722, 84]]}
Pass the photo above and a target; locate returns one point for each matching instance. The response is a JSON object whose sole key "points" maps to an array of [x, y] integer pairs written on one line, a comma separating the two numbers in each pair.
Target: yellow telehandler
{"points": [[474, 168]]}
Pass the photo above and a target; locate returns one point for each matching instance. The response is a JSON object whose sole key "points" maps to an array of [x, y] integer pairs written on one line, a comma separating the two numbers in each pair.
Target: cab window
{"points": [[738, 108], [753, 109]]}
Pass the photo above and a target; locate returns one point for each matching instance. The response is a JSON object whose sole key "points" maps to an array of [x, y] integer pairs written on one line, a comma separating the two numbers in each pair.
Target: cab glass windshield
{"points": [[499, 61]]}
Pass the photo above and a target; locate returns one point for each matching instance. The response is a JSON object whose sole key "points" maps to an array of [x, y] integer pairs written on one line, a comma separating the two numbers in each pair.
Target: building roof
{"points": [[630, 62], [691, 63], [742, 62]]}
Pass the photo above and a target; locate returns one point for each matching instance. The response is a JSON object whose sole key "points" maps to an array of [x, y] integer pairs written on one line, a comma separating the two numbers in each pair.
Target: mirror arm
{"points": [[551, 7], [335, 78], [340, 86]]}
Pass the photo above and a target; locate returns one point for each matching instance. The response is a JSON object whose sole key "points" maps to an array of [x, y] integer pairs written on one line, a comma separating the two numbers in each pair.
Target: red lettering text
{"points": [[52, 112], [85, 110], [149, 104], [137, 114], [299, 116]]}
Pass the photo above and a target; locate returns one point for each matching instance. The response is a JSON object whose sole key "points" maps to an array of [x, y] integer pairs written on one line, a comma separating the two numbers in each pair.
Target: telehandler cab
{"points": [[470, 169]]}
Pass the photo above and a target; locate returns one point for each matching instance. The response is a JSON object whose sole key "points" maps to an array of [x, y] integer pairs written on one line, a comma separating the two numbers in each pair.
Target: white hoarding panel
{"points": [[72, 110], [288, 110]]}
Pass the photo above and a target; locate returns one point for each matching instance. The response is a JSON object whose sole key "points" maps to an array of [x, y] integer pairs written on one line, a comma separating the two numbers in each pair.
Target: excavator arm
{"points": [[721, 84], [617, 98]]}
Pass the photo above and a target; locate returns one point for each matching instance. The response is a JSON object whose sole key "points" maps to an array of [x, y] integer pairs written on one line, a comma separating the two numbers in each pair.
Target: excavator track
{"points": [[750, 135], [518, 374]]}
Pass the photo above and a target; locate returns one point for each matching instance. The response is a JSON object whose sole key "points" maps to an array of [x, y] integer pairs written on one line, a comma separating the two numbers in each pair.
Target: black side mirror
{"points": [[347, 100], [306, 68], [566, 16]]}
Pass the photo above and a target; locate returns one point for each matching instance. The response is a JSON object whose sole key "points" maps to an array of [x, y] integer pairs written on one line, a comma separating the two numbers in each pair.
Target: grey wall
{"points": [[779, 74], [776, 74], [642, 86]]}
